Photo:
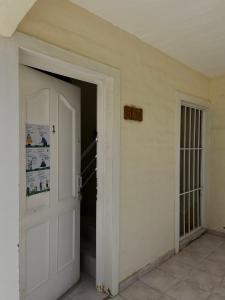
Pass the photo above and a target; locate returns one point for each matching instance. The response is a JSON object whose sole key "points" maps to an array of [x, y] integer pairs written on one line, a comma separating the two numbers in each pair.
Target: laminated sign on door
{"points": [[37, 159]]}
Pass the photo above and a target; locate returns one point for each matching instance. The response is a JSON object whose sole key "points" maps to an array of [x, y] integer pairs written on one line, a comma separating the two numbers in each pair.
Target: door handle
{"points": [[53, 129]]}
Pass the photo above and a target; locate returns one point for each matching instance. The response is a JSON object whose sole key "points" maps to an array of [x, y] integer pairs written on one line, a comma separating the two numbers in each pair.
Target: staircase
{"points": [[88, 248], [88, 221]]}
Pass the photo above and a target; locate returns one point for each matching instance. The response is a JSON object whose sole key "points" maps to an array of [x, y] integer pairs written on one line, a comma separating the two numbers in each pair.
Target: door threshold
{"points": [[84, 289]]}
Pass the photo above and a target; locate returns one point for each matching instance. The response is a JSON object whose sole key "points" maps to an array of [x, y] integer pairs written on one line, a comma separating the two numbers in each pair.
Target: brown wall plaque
{"points": [[133, 113]]}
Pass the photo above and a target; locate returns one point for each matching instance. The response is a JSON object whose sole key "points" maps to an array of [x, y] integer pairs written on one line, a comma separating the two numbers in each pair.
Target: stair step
{"points": [[88, 231], [88, 264], [88, 247]]}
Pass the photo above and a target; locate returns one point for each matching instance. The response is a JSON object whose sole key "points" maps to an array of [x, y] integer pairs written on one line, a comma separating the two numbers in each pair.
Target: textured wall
{"points": [[11, 13], [9, 171], [149, 79], [216, 204]]}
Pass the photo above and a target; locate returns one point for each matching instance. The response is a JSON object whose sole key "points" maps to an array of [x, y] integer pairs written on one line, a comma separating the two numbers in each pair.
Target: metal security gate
{"points": [[191, 156]]}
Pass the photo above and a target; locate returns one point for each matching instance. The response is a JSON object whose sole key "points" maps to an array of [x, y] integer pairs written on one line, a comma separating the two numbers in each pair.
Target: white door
{"points": [[50, 169]]}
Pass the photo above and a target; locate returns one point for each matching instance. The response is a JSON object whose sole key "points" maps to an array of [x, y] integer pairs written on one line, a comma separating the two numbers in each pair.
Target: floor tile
{"points": [[215, 297], [223, 246], [159, 280], [196, 273], [87, 295], [220, 289], [175, 268], [187, 291], [218, 254], [199, 248], [190, 258], [166, 297], [210, 241], [214, 239], [216, 268], [140, 291], [84, 290], [204, 280], [115, 298]]}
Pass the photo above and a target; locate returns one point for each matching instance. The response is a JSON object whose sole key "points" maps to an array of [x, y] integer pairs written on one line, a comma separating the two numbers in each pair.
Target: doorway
{"points": [[40, 91], [38, 54], [88, 173]]}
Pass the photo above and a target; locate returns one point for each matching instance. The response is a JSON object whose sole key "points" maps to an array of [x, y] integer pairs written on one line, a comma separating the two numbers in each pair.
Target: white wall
{"points": [[11, 13], [216, 204], [9, 171], [150, 80]]}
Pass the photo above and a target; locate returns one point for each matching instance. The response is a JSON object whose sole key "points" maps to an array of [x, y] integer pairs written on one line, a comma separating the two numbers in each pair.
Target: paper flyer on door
{"points": [[37, 159], [37, 135], [37, 182]]}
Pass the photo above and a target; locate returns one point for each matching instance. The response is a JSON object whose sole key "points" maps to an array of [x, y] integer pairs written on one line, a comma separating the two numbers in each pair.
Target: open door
{"points": [[50, 172]]}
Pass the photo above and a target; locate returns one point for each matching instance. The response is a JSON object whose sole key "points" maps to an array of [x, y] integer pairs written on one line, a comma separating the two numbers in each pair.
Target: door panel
{"points": [[37, 107], [37, 256], [49, 220], [66, 238], [67, 150]]}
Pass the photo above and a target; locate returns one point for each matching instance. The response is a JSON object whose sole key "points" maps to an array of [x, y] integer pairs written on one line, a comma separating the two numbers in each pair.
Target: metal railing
{"points": [[90, 169]]}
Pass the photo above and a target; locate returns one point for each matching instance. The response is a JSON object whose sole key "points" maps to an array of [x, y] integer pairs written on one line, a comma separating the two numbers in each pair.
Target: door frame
{"points": [[204, 104], [38, 54]]}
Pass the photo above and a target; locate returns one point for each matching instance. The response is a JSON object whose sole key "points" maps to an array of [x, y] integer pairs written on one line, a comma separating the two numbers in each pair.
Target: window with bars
{"points": [[191, 153]]}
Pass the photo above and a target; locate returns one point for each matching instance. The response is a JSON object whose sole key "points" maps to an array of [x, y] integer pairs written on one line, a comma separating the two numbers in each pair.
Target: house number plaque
{"points": [[133, 113]]}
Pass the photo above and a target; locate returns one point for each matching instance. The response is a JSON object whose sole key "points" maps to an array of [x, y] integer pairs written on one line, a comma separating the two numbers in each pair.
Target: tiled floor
{"points": [[84, 290], [196, 273]]}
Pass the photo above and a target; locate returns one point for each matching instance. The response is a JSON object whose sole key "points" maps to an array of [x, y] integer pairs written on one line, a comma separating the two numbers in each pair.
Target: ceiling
{"points": [[191, 31], [11, 13]]}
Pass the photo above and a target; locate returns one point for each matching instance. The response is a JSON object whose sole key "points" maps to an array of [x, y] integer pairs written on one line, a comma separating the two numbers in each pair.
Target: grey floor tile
{"points": [[196, 273], [215, 297], [191, 258], [187, 291], [84, 290], [223, 246], [87, 295], [166, 297], [116, 298], [159, 280], [218, 254], [199, 248], [140, 291], [175, 268], [213, 239], [216, 268], [204, 280], [220, 289]]}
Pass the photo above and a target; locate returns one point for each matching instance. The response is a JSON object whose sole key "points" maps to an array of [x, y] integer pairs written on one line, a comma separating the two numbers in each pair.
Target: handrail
{"points": [[89, 148], [89, 178], [88, 165]]}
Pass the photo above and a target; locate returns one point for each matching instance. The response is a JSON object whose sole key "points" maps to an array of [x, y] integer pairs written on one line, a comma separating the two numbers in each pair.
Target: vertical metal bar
{"points": [[198, 183], [201, 166], [184, 164], [193, 152], [189, 173]]}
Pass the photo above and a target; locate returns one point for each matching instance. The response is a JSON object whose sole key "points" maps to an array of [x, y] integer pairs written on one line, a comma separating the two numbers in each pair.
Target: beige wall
{"points": [[149, 79], [11, 13], [216, 203]]}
